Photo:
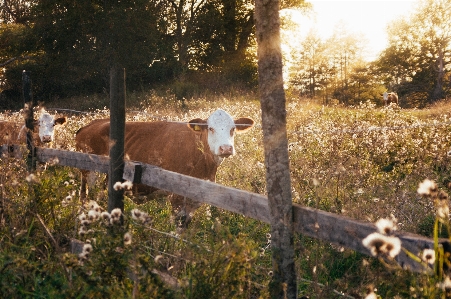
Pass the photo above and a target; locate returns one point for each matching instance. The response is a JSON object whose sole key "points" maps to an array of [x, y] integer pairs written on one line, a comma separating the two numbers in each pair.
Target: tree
{"points": [[272, 99], [418, 58]]}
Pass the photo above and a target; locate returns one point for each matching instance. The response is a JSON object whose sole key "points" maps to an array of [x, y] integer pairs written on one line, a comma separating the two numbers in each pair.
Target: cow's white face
{"points": [[385, 96], [221, 134], [221, 129], [47, 124]]}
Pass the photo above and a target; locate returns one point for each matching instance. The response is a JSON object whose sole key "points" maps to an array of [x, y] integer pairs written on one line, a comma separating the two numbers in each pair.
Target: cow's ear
{"points": [[243, 124], [197, 124], [60, 120]]}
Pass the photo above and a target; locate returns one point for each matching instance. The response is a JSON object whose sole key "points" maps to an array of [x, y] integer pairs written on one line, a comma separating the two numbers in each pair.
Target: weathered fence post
{"points": [[272, 99], [28, 116], [117, 132]]}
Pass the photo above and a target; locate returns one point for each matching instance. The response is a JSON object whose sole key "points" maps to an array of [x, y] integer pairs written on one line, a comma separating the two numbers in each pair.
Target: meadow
{"points": [[365, 162]]}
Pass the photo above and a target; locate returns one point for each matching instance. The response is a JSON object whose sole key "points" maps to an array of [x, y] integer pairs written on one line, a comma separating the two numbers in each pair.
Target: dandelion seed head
{"points": [[105, 216], [386, 226], [117, 186], [82, 216], [427, 187], [428, 256], [87, 248], [136, 214], [93, 215], [116, 213], [127, 238], [127, 185]]}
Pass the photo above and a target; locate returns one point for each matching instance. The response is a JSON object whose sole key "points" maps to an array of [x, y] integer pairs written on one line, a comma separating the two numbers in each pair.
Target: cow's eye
{"points": [[232, 131]]}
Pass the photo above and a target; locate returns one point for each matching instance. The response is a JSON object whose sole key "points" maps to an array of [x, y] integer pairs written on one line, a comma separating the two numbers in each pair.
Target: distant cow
{"points": [[389, 98], [44, 129], [195, 149]]}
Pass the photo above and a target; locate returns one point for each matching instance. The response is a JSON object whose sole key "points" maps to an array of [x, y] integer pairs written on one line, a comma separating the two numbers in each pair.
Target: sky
{"points": [[369, 17]]}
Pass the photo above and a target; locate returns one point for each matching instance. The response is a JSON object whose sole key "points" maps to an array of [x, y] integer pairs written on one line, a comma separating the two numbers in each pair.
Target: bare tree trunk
{"points": [[272, 98], [437, 94]]}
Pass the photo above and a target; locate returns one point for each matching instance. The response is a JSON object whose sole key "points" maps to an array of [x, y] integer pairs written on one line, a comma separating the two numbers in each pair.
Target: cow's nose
{"points": [[46, 138], [225, 151]]}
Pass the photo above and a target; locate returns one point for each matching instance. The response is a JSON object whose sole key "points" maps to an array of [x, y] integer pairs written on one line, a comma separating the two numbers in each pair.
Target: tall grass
{"points": [[364, 162]]}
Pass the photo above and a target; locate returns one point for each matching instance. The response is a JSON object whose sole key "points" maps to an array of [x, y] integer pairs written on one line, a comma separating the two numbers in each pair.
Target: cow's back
{"points": [[172, 146], [93, 138], [10, 133]]}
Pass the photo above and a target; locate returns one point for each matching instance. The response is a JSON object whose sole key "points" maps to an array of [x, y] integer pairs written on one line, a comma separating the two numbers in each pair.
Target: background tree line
{"points": [[416, 64], [210, 44]]}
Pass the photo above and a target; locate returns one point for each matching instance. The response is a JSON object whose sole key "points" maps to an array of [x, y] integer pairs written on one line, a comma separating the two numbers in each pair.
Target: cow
{"points": [[389, 98], [44, 129], [195, 148]]}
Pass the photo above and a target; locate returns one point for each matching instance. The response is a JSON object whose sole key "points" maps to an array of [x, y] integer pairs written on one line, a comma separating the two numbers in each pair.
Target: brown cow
{"points": [[196, 149], [389, 98], [15, 133]]}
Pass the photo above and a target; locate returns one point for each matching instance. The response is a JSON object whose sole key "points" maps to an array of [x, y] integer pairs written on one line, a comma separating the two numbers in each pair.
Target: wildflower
{"points": [[83, 256], [31, 178], [85, 222], [82, 216], [87, 248], [136, 214], [82, 231], [446, 284], [143, 217], [93, 215], [127, 185], [428, 256], [66, 183], [127, 238], [386, 226], [427, 187], [270, 273], [92, 205], [371, 295], [379, 244], [68, 198], [115, 216], [117, 186], [105, 216], [443, 210], [116, 213]]}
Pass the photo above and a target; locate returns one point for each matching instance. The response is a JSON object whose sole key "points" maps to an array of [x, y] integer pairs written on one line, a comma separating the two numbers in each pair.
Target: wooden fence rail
{"points": [[329, 227]]}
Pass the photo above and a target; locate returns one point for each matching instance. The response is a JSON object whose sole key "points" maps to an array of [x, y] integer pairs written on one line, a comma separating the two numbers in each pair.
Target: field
{"points": [[364, 162]]}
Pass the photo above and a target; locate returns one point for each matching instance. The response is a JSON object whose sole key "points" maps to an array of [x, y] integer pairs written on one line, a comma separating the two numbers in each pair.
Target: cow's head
{"points": [[46, 124], [221, 128], [385, 95]]}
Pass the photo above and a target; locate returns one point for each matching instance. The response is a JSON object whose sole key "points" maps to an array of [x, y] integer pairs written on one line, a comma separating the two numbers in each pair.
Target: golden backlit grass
{"points": [[364, 162]]}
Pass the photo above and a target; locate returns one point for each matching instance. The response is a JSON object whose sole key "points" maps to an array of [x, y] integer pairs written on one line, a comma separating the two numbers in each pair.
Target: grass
{"points": [[364, 162]]}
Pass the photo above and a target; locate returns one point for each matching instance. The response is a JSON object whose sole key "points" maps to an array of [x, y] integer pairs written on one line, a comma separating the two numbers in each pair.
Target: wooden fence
{"points": [[329, 227]]}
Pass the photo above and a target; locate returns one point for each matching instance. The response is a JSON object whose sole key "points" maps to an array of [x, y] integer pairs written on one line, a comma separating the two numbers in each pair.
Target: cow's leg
{"points": [[183, 209]]}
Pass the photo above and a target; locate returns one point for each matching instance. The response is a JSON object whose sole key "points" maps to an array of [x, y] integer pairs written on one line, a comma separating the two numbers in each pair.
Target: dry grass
{"points": [[364, 162]]}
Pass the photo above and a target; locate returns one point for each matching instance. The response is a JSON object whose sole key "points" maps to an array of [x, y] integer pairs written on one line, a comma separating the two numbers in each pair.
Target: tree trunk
{"points": [[272, 98]]}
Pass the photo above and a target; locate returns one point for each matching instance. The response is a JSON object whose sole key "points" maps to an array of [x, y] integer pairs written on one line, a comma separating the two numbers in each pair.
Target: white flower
{"points": [[127, 238], [379, 244], [426, 187], [386, 226], [428, 256]]}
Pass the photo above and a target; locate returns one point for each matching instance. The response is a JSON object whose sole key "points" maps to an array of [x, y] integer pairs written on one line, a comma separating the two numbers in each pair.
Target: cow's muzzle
{"points": [[46, 139], [225, 151]]}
